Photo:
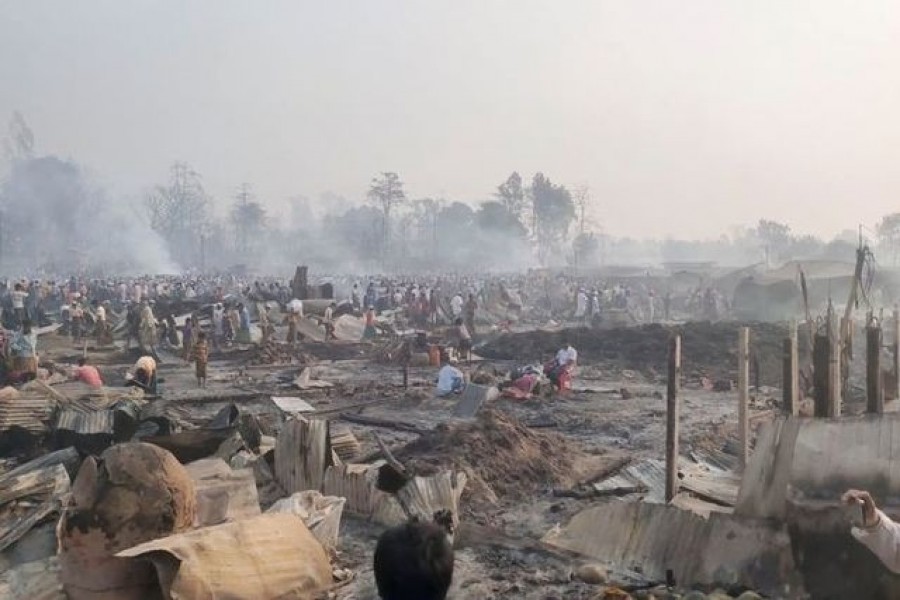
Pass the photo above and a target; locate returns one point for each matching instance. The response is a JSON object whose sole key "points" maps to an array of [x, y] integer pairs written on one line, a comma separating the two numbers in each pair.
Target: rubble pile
{"points": [[511, 460], [708, 349]]}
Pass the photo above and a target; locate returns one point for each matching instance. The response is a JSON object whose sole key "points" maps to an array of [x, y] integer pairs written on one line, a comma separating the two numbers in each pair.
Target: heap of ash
{"points": [[504, 460], [707, 349]]}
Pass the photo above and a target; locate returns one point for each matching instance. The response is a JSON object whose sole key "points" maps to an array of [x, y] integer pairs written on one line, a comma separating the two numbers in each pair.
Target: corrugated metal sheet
{"points": [[45, 486], [356, 483], [648, 476], [302, 453], [721, 550], [321, 514], [423, 496], [708, 484], [28, 411], [818, 459], [85, 423], [472, 399]]}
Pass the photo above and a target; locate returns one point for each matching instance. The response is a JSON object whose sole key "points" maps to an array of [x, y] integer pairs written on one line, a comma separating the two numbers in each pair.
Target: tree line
{"points": [[54, 216]]}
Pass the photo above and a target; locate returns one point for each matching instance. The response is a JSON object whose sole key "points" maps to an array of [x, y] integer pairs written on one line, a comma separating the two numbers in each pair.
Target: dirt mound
{"points": [[707, 349], [506, 460]]}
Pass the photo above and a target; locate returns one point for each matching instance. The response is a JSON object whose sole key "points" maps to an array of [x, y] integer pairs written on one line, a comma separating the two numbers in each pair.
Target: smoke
{"points": [[54, 219]]}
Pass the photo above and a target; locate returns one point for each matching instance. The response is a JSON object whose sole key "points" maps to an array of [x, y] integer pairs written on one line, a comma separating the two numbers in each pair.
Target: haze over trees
{"points": [[177, 225]]}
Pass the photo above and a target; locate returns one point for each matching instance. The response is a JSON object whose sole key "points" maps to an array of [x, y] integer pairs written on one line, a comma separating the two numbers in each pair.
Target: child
{"points": [[200, 356]]}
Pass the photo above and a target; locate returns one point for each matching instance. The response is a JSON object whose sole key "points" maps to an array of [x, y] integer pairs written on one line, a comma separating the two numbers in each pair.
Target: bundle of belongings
{"points": [[524, 382], [530, 380]]}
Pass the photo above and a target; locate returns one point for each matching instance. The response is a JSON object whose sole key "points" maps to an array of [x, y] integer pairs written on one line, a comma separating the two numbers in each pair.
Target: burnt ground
{"points": [[516, 453], [708, 349]]}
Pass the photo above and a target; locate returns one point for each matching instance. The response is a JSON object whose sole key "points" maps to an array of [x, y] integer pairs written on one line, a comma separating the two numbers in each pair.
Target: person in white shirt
{"points": [[456, 305], [595, 305], [18, 296], [450, 380], [560, 369], [328, 321], [567, 357], [876, 531], [581, 304]]}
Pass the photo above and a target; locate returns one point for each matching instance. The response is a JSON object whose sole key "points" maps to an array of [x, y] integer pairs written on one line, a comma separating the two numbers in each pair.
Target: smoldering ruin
{"points": [[312, 282]]}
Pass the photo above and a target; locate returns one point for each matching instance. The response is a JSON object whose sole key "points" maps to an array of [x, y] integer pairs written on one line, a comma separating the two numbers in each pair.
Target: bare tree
{"points": [[248, 217], [888, 231], [511, 194], [179, 211], [19, 143], [427, 210], [554, 212], [387, 193]]}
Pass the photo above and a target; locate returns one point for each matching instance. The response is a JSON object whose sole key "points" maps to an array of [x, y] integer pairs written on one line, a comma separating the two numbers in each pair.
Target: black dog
{"points": [[414, 561]]}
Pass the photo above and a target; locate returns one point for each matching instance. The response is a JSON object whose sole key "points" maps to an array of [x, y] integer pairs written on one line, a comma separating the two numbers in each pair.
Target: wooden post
{"points": [[790, 373], [821, 376], [672, 415], [744, 395], [896, 351], [836, 369], [874, 387]]}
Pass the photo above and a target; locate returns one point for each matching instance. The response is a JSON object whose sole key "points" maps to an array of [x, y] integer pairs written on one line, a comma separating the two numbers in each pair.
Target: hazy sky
{"points": [[683, 117]]}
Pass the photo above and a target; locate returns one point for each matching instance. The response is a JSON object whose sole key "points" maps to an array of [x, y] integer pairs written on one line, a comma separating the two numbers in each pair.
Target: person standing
{"points": [[355, 299], [369, 331], [371, 295], [218, 319], [456, 305], [243, 335], [77, 315], [265, 323], [147, 332], [463, 339], [470, 308], [293, 320], [18, 296], [232, 321], [581, 304], [328, 321], [200, 358]]}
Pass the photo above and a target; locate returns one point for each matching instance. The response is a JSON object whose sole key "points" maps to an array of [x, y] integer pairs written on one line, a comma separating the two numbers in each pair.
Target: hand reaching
{"points": [[863, 499]]}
